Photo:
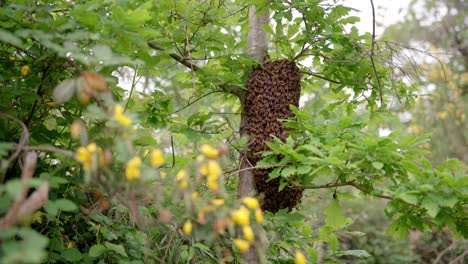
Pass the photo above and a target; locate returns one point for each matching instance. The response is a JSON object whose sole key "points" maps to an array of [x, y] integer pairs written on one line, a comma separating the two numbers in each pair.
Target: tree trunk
{"points": [[257, 48], [257, 42]]}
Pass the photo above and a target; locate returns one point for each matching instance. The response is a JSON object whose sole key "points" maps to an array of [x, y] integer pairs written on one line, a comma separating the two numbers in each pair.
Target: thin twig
{"points": [[442, 253], [196, 100], [372, 53], [459, 258], [324, 186], [319, 76]]}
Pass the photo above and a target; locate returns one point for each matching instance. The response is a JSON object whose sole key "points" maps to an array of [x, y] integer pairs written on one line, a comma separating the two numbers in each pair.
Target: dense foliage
{"points": [[119, 142]]}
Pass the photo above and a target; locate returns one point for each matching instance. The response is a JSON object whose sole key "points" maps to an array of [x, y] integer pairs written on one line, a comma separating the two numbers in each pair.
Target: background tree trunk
{"points": [[257, 48]]}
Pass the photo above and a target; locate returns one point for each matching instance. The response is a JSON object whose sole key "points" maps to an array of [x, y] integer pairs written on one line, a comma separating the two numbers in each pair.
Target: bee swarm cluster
{"points": [[272, 89]]}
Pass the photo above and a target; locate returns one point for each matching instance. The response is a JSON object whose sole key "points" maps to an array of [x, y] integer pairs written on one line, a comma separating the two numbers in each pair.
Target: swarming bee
{"points": [[272, 89]]}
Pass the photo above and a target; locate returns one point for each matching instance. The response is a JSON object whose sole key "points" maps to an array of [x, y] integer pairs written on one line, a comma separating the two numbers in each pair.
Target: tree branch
{"points": [[184, 61], [320, 76], [232, 89], [340, 184]]}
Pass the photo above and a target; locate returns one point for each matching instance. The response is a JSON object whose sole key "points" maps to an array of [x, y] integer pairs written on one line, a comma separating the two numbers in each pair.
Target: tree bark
{"points": [[257, 49]]}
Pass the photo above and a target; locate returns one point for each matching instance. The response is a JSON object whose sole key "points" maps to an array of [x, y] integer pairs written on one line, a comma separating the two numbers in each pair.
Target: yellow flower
{"points": [[259, 215], [181, 177], [209, 151], [299, 258], [214, 170], [204, 169], [415, 129], [187, 228], [157, 158], [442, 115], [83, 155], [218, 202], [25, 70], [242, 245], [248, 233], [251, 203], [241, 216], [213, 184], [133, 171], [92, 147], [195, 196], [71, 244], [200, 158], [118, 115]]}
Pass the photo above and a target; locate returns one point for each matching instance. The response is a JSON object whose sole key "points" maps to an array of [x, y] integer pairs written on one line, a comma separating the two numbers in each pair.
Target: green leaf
{"points": [[431, 207], [64, 91], [288, 171], [72, 254], [399, 229], [377, 165], [410, 198], [268, 29], [97, 250], [8, 37], [355, 253], [303, 169], [119, 249], [334, 215], [65, 205]]}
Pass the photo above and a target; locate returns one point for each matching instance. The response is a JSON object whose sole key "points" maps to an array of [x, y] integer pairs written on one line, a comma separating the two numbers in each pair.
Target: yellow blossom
{"points": [[214, 170], [248, 233], [442, 115], [241, 216], [242, 244], [71, 244], [259, 215], [200, 158], [299, 258], [91, 147], [187, 228], [183, 184], [218, 202], [195, 196], [415, 129], [157, 158], [83, 155], [119, 116], [213, 184], [181, 177], [25, 70], [133, 171], [251, 203], [209, 151]]}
